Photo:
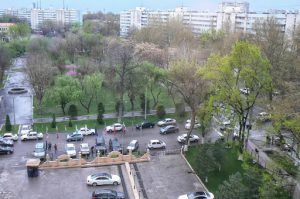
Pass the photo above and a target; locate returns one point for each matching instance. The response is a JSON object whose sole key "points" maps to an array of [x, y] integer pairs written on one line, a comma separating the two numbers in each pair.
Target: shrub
{"points": [[72, 112], [101, 110], [53, 123], [8, 125], [70, 123], [160, 111]]}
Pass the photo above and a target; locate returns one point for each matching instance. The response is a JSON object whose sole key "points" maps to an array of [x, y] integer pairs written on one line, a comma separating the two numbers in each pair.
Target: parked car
{"points": [[86, 131], [133, 145], [76, 136], [39, 150], [6, 150], [116, 146], [167, 121], [32, 135], [25, 129], [5, 142], [84, 149], [107, 193], [182, 138], [245, 91], [264, 116], [115, 127], [144, 125], [100, 145], [225, 124], [188, 124], [156, 144], [197, 195], [71, 150], [10, 136], [169, 129], [103, 179]]}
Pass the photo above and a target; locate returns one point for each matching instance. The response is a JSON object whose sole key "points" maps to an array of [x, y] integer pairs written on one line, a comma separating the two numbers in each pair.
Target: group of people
{"points": [[49, 146]]}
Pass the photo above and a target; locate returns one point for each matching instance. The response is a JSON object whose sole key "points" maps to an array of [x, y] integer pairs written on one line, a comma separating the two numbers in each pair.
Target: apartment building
{"points": [[234, 14], [37, 16]]}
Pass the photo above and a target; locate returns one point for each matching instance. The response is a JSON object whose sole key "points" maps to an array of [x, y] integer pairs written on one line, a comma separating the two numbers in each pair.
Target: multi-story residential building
{"points": [[4, 27], [234, 14], [37, 16]]}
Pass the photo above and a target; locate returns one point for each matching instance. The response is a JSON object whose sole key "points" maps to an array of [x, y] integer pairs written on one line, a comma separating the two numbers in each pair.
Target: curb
{"points": [[131, 180], [200, 181]]}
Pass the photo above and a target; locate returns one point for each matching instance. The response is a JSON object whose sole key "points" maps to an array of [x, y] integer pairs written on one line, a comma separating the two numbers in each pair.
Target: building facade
{"points": [[234, 14], [37, 16]]}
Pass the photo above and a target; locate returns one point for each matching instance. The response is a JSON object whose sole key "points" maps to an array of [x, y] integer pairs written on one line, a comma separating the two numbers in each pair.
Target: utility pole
{"points": [[145, 117]]}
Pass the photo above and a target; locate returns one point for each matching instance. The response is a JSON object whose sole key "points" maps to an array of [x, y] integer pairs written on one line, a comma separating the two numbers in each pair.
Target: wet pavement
{"points": [[19, 107]]}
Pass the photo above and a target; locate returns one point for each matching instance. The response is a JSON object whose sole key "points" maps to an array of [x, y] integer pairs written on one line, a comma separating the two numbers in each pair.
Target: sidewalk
{"points": [[106, 116]]}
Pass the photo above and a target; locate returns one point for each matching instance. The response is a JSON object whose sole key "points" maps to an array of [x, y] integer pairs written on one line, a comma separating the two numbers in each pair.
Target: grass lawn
{"points": [[14, 130], [229, 166], [63, 127]]}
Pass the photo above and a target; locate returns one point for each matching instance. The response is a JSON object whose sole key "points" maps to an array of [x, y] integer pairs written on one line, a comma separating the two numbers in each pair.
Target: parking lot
{"points": [[61, 183]]}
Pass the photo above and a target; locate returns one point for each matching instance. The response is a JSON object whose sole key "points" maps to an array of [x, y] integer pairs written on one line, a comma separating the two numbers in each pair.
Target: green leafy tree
{"points": [[245, 68], [72, 112], [142, 100], [64, 91], [70, 123], [101, 111], [8, 126], [160, 111], [53, 123], [19, 30], [205, 113], [5, 60]]}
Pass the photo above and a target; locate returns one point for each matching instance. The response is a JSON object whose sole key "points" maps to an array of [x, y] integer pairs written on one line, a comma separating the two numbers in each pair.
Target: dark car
{"points": [[6, 150], [169, 129], [6, 142], [144, 125], [116, 146], [100, 145], [77, 136], [107, 193]]}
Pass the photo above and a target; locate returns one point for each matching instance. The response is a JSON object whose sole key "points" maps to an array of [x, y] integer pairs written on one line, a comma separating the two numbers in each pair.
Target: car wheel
{"points": [[115, 183], [8, 152], [110, 131], [94, 184], [164, 147]]}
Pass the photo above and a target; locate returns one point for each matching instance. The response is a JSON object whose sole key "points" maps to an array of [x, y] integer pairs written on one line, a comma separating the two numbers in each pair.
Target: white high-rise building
{"points": [[37, 16], [234, 14]]}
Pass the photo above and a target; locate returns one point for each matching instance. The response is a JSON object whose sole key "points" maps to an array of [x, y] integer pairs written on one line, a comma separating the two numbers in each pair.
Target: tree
{"points": [[19, 30], [5, 60], [8, 126], [40, 72], [143, 102], [101, 111], [192, 87], [205, 113], [244, 68], [53, 123], [160, 111], [120, 56], [70, 123], [233, 188], [89, 86], [65, 90]]}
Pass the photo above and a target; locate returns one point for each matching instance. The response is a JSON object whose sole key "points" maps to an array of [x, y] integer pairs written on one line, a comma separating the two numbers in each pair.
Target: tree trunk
{"points": [[193, 115]]}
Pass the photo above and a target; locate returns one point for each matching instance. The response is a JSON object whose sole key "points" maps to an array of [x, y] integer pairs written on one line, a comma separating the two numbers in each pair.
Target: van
{"points": [[39, 151], [100, 145]]}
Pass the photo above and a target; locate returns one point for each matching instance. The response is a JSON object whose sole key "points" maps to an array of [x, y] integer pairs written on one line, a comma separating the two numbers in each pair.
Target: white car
{"points": [[197, 195], [114, 127], [25, 129], [84, 149], [86, 131], [167, 121], [103, 179], [32, 135], [264, 116], [245, 91], [71, 150], [10, 136], [193, 138], [188, 124], [156, 144]]}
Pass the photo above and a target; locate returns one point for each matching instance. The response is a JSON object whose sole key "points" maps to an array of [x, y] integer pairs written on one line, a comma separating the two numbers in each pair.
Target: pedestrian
{"points": [[57, 135], [55, 148], [46, 145], [49, 146], [92, 151]]}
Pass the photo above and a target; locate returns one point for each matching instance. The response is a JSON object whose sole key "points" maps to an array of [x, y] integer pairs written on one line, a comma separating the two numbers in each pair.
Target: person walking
{"points": [[92, 151], [49, 146], [55, 148]]}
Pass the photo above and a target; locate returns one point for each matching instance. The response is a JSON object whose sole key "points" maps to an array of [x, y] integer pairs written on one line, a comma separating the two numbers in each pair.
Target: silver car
{"points": [[84, 149], [39, 150]]}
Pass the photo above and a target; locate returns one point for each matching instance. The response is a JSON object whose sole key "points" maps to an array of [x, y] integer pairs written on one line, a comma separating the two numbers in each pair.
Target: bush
{"points": [[53, 123], [101, 111], [70, 123], [180, 109], [72, 112], [160, 111], [8, 126]]}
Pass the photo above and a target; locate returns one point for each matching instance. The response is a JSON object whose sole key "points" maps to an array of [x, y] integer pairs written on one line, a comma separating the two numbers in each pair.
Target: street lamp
{"points": [[14, 110]]}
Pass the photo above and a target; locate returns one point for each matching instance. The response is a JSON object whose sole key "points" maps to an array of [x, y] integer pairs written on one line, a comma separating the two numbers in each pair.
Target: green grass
{"points": [[14, 130], [107, 97], [230, 166], [63, 127]]}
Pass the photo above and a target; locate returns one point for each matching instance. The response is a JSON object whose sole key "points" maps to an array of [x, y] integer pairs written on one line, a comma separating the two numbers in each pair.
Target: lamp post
{"points": [[14, 110], [145, 116]]}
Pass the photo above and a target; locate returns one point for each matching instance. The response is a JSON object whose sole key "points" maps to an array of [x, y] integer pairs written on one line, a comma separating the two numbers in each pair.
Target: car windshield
{"points": [[70, 148], [39, 150], [84, 147], [131, 144]]}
